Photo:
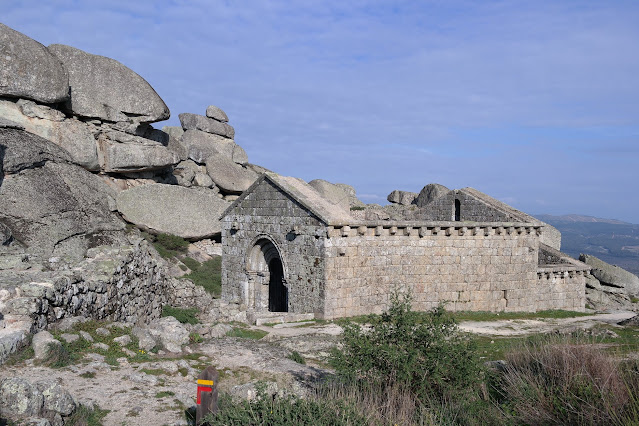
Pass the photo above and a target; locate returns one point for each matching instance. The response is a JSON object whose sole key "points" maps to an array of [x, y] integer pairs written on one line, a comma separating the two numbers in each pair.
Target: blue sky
{"points": [[535, 103]]}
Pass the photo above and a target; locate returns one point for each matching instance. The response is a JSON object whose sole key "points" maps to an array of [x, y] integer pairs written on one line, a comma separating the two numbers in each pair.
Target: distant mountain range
{"points": [[612, 241]]}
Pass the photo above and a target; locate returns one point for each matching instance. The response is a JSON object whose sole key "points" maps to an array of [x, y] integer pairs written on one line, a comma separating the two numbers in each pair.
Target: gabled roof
{"points": [[513, 213], [303, 193]]}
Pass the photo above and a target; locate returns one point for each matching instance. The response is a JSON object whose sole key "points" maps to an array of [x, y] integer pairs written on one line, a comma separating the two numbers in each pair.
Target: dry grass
{"points": [[558, 380]]}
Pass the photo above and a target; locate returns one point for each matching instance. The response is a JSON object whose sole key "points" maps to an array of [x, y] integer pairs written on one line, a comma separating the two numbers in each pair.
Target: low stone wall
{"points": [[117, 283]]}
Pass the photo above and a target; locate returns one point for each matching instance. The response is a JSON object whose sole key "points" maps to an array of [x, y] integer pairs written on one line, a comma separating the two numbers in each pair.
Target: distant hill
{"points": [[612, 241]]}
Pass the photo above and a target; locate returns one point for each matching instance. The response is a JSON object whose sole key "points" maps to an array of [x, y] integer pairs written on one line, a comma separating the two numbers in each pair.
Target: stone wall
{"points": [[117, 283], [561, 287], [269, 214], [490, 267]]}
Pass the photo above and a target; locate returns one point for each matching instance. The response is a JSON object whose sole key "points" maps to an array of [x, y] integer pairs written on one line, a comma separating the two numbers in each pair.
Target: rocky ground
{"points": [[155, 387]]}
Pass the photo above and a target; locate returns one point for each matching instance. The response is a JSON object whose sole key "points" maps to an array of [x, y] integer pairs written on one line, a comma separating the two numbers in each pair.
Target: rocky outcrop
{"points": [[72, 135], [205, 124], [404, 198], [104, 88], [611, 275], [229, 176], [189, 213], [352, 195], [429, 193], [331, 192], [52, 207], [44, 402], [609, 286], [28, 70], [121, 152]]}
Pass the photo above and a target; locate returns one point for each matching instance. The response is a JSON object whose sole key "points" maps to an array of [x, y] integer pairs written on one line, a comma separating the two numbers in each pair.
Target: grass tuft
{"points": [[183, 315]]}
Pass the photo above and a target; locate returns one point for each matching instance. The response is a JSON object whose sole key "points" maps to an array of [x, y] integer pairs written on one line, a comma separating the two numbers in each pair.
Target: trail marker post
{"points": [[206, 401]]}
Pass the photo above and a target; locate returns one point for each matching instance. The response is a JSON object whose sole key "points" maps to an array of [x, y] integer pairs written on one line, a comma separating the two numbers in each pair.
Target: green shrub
{"points": [[354, 208], [295, 356], [246, 333], [427, 354], [58, 356], [183, 315], [87, 416], [172, 242], [208, 275], [191, 263], [290, 410], [195, 337]]}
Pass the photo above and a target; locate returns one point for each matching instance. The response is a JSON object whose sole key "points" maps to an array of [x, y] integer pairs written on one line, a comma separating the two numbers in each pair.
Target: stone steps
{"points": [[261, 318]]}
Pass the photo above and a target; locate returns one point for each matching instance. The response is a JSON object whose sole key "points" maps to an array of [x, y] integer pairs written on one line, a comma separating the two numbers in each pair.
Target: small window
{"points": [[457, 210]]}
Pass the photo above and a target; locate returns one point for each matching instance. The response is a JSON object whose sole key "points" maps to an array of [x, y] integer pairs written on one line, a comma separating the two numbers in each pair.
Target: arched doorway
{"points": [[264, 268]]}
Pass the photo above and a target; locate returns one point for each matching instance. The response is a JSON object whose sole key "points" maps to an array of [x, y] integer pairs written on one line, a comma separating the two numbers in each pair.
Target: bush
{"points": [[208, 275], [289, 410], [556, 380], [183, 315], [191, 263], [427, 354], [295, 356], [172, 242]]}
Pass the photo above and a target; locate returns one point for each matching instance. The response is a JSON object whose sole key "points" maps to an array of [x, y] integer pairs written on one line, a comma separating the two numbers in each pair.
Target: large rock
{"points": [[20, 398], [191, 213], [52, 207], [29, 70], [104, 88], [170, 333], [612, 275], [201, 145], [429, 193], [198, 122], [56, 398], [120, 152], [72, 135], [331, 192], [229, 176], [216, 113], [42, 343], [404, 198], [352, 195]]}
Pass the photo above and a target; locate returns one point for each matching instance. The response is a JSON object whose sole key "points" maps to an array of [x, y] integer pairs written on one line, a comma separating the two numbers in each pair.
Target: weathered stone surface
{"points": [[175, 141], [198, 122], [29, 70], [33, 110], [229, 176], [104, 88], [216, 113], [123, 340], [201, 145], [52, 207], [11, 342], [202, 179], [612, 275], [170, 333], [352, 195], [404, 198], [41, 342], [189, 213], [331, 192], [20, 398], [185, 172], [120, 152], [72, 135], [239, 155], [56, 398], [429, 193], [146, 341]]}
